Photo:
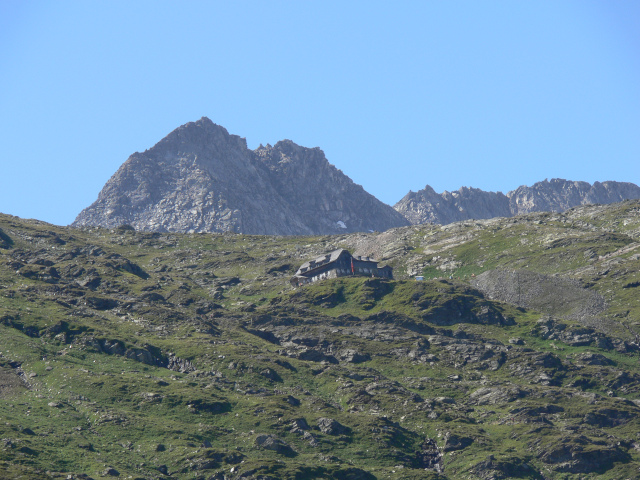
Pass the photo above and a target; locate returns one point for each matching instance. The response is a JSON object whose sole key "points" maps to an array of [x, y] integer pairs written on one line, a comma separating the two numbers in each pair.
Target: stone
{"points": [[271, 442], [293, 401], [110, 472], [496, 395], [299, 424], [453, 442], [351, 355], [271, 374], [309, 437], [330, 426]]}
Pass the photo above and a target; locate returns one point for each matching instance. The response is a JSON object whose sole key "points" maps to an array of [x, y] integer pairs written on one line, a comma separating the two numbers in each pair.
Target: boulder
{"points": [[351, 355], [496, 395], [271, 442], [330, 426], [110, 472], [453, 442]]}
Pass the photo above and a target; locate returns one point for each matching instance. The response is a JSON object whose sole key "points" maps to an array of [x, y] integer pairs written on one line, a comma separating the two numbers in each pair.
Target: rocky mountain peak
{"points": [[197, 137], [200, 178]]}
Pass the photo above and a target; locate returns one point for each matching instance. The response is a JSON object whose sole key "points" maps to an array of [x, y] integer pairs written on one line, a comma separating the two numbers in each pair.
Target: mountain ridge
{"points": [[556, 195], [201, 178]]}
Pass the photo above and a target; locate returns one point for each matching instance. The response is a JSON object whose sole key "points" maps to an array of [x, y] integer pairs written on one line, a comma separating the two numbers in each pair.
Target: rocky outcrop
{"points": [[576, 454], [499, 469], [271, 442], [427, 206], [330, 426], [5, 240], [199, 178], [556, 195], [429, 457]]}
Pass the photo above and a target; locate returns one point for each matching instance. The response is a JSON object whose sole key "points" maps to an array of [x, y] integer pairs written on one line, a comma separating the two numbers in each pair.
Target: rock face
{"points": [[427, 206], [557, 195], [545, 293], [199, 178]]}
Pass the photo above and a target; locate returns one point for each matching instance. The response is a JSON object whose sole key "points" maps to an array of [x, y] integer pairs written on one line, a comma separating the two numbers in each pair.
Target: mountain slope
{"points": [[168, 355], [557, 195], [199, 178]]}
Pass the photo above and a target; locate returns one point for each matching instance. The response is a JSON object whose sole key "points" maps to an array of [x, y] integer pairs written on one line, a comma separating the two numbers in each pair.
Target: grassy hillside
{"points": [[155, 355]]}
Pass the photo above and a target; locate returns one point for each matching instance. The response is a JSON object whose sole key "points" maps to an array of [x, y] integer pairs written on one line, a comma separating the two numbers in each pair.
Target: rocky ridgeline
{"points": [[199, 178], [557, 195]]}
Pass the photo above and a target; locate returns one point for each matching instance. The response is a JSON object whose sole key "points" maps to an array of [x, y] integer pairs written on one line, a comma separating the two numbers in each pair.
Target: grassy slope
{"points": [[222, 303]]}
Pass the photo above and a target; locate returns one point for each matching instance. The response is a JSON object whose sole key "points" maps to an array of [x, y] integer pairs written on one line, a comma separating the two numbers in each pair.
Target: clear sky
{"points": [[486, 94]]}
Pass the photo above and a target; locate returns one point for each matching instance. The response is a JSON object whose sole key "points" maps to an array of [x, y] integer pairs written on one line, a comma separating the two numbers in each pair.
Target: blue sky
{"points": [[399, 95]]}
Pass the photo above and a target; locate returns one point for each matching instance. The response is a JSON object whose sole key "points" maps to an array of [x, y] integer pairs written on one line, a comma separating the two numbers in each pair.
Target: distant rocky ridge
{"points": [[556, 195], [199, 178]]}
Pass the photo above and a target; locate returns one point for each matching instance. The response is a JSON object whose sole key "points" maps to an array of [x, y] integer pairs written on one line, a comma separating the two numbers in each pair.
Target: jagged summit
{"points": [[558, 195], [555, 195], [200, 178], [427, 206], [200, 132]]}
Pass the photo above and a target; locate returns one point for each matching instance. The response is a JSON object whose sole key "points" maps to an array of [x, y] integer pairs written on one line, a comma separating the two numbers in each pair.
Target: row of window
{"points": [[347, 271]]}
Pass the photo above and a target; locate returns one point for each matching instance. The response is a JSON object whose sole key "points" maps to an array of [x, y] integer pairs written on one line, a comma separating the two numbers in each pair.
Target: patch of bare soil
{"points": [[10, 382]]}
